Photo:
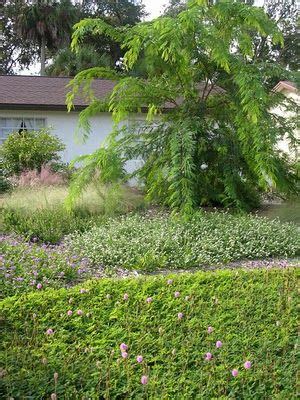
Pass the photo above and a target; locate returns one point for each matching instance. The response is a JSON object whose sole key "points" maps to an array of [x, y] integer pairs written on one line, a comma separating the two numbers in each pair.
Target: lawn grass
{"points": [[253, 314], [40, 214], [30, 200]]}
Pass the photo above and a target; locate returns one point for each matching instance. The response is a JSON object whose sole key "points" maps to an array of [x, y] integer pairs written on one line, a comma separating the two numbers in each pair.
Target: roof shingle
{"points": [[44, 92]]}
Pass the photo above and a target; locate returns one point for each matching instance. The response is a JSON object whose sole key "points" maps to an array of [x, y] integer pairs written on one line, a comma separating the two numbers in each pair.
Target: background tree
{"points": [[68, 63], [48, 24], [98, 49], [217, 144], [15, 51]]}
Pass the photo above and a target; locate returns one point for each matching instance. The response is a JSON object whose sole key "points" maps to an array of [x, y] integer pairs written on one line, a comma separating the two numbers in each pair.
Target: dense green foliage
{"points": [[47, 225], [29, 150], [142, 243], [252, 313], [217, 143]]}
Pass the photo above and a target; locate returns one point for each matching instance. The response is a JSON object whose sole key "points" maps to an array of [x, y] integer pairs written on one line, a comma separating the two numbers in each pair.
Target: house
{"points": [[290, 90], [35, 102]]}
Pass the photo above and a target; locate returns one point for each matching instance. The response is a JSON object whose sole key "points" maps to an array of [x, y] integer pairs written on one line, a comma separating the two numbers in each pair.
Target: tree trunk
{"points": [[43, 56]]}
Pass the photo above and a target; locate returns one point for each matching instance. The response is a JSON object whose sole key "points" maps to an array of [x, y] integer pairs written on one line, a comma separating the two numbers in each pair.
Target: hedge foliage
{"points": [[45, 351], [144, 243]]}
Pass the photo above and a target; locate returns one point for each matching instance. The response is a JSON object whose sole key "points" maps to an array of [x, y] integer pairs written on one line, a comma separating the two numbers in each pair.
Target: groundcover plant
{"points": [[206, 239], [212, 335]]}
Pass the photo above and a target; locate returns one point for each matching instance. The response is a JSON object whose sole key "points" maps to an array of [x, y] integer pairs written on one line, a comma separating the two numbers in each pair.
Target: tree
{"points": [[217, 143], [14, 50], [48, 24], [68, 63], [285, 13]]}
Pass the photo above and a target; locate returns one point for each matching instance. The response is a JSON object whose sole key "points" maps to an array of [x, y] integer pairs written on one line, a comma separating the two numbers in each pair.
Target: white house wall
{"points": [[63, 125]]}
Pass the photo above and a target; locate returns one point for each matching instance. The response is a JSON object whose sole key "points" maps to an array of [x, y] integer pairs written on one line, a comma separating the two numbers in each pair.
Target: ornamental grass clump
{"points": [[130, 350]]}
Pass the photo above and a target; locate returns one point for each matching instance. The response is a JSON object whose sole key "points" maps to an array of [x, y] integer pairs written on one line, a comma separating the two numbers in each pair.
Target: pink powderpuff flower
{"points": [[180, 315], [149, 300], [79, 312], [208, 356], [169, 281], [125, 297], [69, 312], [123, 347], [139, 359], [247, 364], [176, 294], [234, 372], [219, 344], [39, 286], [50, 331], [124, 354], [210, 329], [144, 380]]}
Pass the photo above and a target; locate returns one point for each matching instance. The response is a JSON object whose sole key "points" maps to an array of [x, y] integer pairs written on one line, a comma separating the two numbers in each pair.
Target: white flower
{"points": [[203, 166]]}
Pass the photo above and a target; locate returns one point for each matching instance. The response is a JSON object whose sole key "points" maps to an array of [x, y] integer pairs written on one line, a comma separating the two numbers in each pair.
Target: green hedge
{"points": [[143, 243], [253, 313]]}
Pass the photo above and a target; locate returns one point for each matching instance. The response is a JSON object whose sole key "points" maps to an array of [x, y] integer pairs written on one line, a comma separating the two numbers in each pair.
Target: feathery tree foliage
{"points": [[210, 135]]}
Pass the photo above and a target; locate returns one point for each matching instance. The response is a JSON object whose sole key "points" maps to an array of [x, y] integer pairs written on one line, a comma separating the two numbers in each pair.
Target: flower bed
{"points": [[137, 242]]}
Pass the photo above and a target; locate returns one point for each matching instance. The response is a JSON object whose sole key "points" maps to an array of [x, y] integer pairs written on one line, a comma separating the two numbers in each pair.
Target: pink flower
{"points": [[176, 294], [208, 356], [69, 312], [144, 380], [169, 281], [139, 359], [149, 300], [39, 286], [124, 354], [50, 331], [125, 297], [247, 364], [79, 312], [123, 347], [210, 329], [234, 372], [219, 344], [82, 290], [180, 315]]}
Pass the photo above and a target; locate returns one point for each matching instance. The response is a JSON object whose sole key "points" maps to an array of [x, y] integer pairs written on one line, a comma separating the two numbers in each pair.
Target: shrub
{"points": [[45, 350], [29, 150], [137, 242]]}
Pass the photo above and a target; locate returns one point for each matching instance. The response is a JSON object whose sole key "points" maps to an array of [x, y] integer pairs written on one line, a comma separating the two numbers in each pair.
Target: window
{"points": [[9, 125]]}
